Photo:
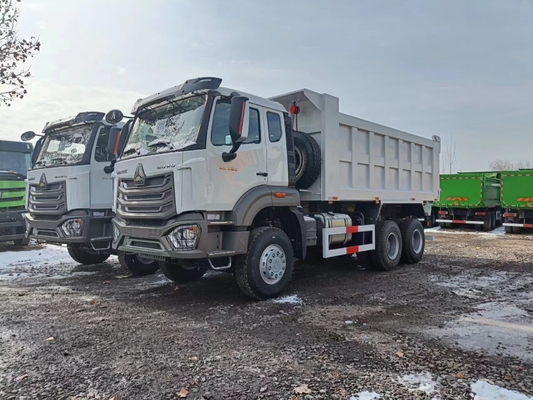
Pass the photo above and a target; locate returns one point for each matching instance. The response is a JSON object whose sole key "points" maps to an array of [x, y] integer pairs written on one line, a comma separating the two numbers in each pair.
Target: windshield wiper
{"points": [[161, 143], [134, 149]]}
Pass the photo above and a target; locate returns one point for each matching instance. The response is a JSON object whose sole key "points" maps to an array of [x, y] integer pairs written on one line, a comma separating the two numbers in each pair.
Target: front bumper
{"points": [[12, 226], [216, 239], [97, 232]]}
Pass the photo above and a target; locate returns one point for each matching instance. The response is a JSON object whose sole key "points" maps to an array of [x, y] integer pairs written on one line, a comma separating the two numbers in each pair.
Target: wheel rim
{"points": [[417, 241], [272, 264], [298, 160], [144, 261], [393, 246]]}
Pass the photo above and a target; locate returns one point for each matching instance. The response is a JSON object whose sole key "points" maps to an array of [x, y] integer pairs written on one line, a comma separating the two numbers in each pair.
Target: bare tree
{"points": [[449, 157], [524, 165], [501, 165], [14, 52]]}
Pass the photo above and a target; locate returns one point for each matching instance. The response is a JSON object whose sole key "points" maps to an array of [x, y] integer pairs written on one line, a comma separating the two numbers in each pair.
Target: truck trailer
{"points": [[470, 198], [517, 200], [210, 178], [15, 160], [69, 190]]}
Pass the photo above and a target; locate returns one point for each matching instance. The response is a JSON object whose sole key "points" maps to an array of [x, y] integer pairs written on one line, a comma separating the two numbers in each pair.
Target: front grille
{"points": [[46, 232], [51, 199], [5, 200], [147, 245], [13, 190], [153, 200], [151, 223]]}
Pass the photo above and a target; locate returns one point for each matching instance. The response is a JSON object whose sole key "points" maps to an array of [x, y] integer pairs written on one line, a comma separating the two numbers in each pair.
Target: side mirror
{"points": [[239, 120], [36, 150], [27, 136], [123, 137], [112, 141], [114, 116]]}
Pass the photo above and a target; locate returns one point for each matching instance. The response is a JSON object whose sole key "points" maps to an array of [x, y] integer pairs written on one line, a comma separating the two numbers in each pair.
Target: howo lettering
{"points": [[14, 163], [70, 191], [257, 183]]}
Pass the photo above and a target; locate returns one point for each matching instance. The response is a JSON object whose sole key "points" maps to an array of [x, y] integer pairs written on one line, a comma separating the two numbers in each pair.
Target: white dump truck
{"points": [[214, 178], [70, 191]]}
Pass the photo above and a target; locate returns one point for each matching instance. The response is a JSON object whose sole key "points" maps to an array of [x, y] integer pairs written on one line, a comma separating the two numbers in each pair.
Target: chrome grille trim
{"points": [[51, 199], [153, 200]]}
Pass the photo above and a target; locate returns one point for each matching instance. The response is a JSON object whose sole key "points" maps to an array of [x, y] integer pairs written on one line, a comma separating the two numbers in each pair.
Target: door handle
{"points": [[262, 174]]}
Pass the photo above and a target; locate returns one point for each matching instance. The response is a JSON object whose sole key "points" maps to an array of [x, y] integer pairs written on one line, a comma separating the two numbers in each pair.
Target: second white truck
{"points": [[214, 178]]}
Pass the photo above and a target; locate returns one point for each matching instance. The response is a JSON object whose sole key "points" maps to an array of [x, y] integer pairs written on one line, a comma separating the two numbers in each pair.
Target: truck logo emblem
{"points": [[42, 182], [140, 177]]}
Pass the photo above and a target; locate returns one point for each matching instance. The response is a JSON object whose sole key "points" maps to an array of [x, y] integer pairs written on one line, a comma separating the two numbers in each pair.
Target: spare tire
{"points": [[308, 160]]}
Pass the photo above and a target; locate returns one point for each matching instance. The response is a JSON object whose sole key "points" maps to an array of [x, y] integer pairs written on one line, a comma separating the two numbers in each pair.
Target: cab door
{"points": [[227, 182], [101, 186]]}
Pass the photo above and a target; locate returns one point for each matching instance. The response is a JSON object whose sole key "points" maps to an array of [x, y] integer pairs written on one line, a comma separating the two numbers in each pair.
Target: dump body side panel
{"points": [[362, 160], [472, 190], [517, 190]]}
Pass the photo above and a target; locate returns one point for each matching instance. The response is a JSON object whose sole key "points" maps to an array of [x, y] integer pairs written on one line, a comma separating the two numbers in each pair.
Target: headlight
{"points": [[72, 227], [185, 237], [116, 233]]}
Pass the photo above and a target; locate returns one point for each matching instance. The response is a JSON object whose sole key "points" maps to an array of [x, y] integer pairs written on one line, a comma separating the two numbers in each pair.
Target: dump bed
{"points": [[362, 160], [469, 190], [517, 189]]}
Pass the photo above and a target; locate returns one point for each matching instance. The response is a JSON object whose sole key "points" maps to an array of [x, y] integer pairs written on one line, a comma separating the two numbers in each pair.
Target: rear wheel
{"points": [[138, 266], [487, 222], [84, 257], [413, 240], [179, 273], [265, 270], [388, 251], [22, 242], [492, 220], [517, 230], [508, 229]]}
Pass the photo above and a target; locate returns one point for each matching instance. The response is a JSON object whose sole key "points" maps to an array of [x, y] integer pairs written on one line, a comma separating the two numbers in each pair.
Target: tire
{"points": [[22, 242], [443, 225], [308, 160], [413, 241], [517, 230], [84, 257], [267, 246], [138, 266], [492, 220], [384, 258], [180, 274], [487, 222], [508, 229]]}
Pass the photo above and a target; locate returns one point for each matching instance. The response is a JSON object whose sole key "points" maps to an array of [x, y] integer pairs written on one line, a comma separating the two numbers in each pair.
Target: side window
{"points": [[100, 151], [220, 126], [274, 127]]}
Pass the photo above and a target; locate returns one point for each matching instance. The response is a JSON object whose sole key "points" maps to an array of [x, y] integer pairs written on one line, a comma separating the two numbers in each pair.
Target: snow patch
{"points": [[419, 382], [485, 391], [366, 396], [294, 299], [486, 235]]}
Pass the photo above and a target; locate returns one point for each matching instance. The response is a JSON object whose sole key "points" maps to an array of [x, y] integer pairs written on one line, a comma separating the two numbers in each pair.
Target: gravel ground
{"points": [[455, 326]]}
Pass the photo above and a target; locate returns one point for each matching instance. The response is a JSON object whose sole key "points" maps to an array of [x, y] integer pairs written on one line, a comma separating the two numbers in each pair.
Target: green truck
{"points": [[470, 198], [15, 159], [517, 200]]}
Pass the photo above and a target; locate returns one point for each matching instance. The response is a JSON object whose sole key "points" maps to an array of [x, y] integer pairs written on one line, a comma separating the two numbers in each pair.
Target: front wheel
{"points": [[84, 257], [179, 273], [22, 242], [265, 270], [138, 266]]}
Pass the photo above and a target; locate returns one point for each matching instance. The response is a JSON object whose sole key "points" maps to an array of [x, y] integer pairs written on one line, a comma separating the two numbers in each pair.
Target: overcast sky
{"points": [[454, 68]]}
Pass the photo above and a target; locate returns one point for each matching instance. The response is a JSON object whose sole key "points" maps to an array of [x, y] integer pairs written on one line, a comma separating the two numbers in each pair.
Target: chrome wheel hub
{"points": [[272, 264]]}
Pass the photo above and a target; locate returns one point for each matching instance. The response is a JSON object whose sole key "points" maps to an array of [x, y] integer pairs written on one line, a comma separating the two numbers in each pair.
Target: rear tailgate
{"points": [[517, 189], [460, 191]]}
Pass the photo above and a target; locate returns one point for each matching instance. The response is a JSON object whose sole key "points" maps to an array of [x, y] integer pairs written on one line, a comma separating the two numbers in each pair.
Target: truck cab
{"points": [[15, 160], [69, 186]]}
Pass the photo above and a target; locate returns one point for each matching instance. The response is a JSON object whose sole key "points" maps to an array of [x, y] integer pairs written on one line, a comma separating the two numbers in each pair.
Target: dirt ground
{"points": [[455, 326]]}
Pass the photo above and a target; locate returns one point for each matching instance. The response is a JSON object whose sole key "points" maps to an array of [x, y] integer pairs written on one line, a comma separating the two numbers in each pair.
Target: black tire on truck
{"points": [[84, 257], [487, 222], [413, 241], [517, 229], [179, 273], [265, 270], [388, 251], [508, 229], [138, 266], [493, 220], [308, 160], [21, 242]]}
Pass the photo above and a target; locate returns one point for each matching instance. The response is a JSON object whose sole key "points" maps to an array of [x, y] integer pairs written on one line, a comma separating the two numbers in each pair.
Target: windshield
{"points": [[64, 147], [14, 161], [171, 126]]}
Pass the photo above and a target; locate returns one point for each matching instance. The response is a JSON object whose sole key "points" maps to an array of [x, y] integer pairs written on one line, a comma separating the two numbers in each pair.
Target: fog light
{"points": [[185, 237], [116, 233], [72, 227]]}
